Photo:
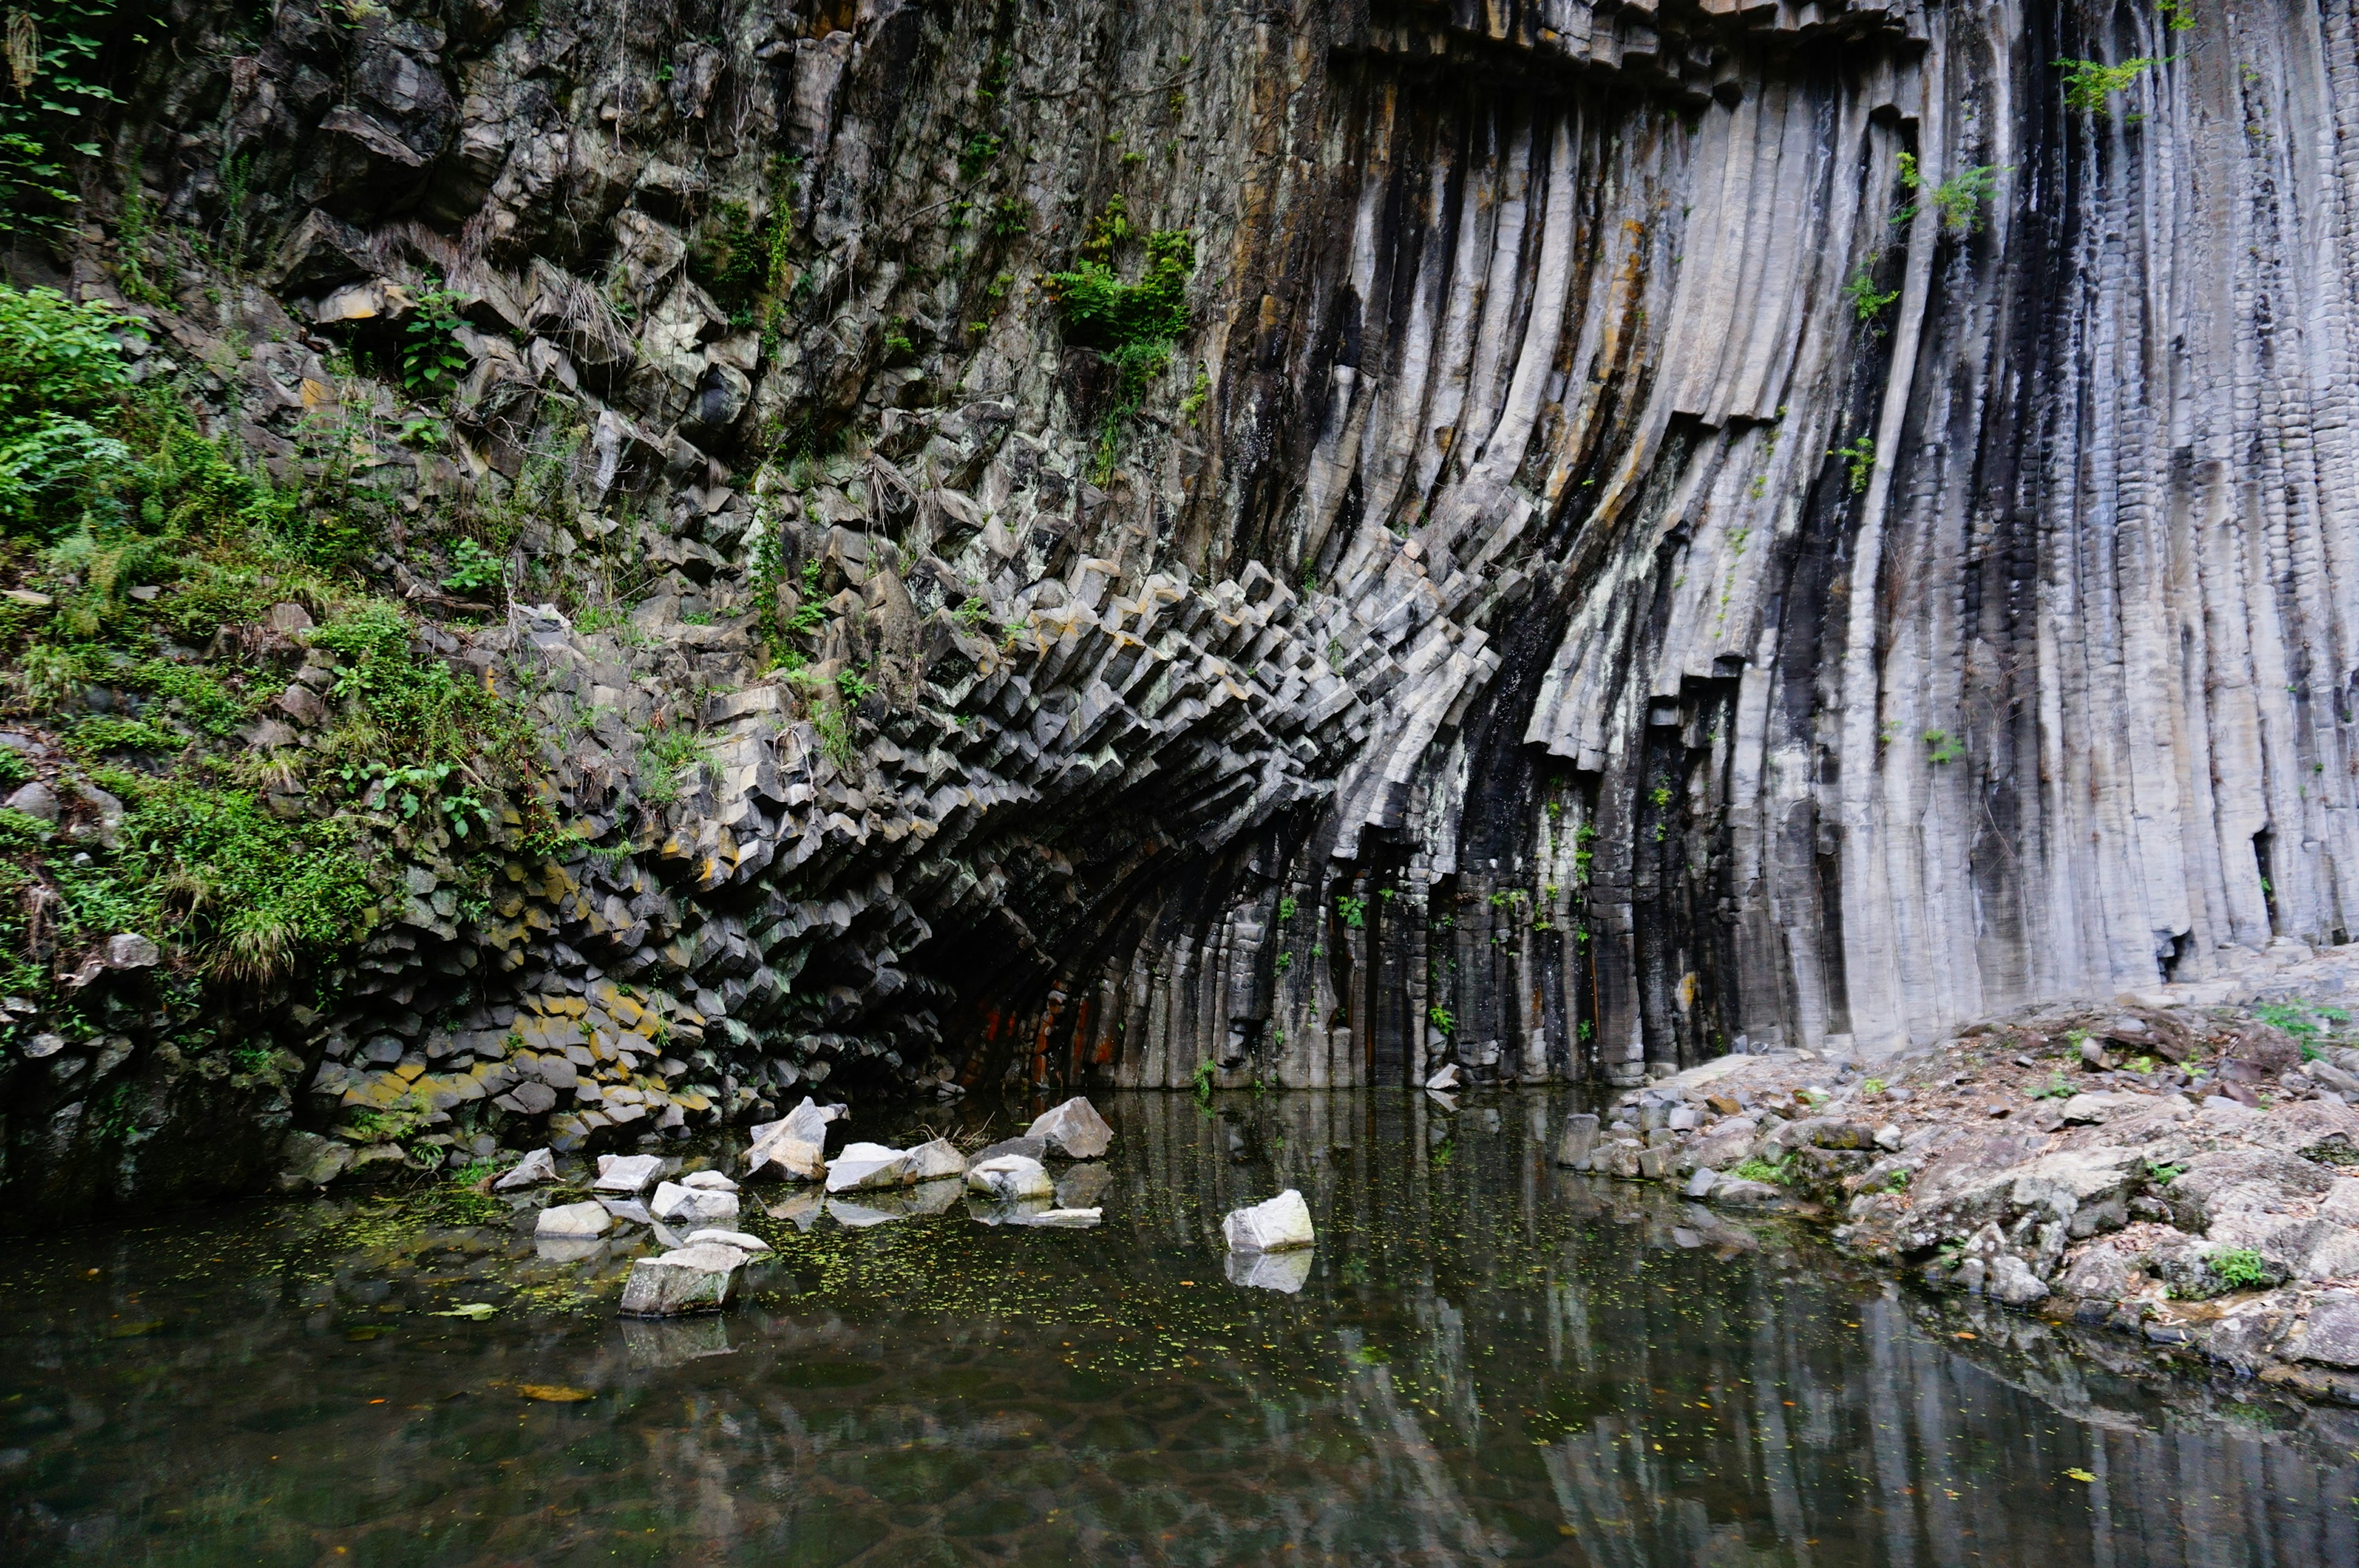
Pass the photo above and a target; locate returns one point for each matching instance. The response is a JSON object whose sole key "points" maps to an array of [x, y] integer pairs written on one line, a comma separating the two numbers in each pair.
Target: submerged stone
{"points": [[1010, 1178], [574, 1219]]}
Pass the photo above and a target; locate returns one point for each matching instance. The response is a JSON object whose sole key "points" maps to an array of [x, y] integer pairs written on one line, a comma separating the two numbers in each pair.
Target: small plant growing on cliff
{"points": [[1958, 200], [1286, 907], [1444, 1021], [1859, 456], [472, 568], [1201, 1080], [1354, 911], [1134, 325], [2162, 1175], [2054, 1088], [1866, 302], [1774, 1172], [431, 360], [1942, 747], [2089, 85]]}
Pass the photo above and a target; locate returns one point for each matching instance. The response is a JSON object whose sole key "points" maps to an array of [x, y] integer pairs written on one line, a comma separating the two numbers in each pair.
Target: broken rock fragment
{"points": [[691, 1278], [1280, 1225], [1074, 1130]]}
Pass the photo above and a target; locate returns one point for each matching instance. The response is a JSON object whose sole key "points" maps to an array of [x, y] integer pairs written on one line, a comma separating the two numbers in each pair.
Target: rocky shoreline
{"points": [[2181, 1165]]}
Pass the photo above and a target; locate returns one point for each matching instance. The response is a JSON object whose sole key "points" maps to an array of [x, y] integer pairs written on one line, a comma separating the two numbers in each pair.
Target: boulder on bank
{"points": [[1283, 1224], [690, 1279], [1074, 1130]]}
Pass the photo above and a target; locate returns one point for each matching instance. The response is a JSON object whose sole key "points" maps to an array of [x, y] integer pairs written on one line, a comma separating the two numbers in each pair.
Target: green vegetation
{"points": [[52, 102], [2241, 1268], [1774, 1172], [1354, 911], [1135, 325], [1866, 303], [431, 360], [1859, 456], [2089, 85], [1958, 200], [248, 867], [1443, 1021]]}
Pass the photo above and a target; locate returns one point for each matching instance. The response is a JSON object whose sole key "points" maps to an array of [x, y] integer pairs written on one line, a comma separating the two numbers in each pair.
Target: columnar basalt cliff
{"points": [[1647, 527]]}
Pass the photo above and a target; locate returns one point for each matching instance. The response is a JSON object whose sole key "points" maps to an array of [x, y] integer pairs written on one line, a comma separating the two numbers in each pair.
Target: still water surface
{"points": [[1489, 1361]]}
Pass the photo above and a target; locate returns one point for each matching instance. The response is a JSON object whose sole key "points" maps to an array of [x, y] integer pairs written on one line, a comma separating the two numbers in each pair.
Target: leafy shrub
{"points": [[2241, 1268], [2089, 85], [60, 370], [431, 360], [1774, 1172]]}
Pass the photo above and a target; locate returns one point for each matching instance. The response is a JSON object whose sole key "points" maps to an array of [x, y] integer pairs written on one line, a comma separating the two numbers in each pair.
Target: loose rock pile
{"points": [[692, 1214], [2185, 1172]]}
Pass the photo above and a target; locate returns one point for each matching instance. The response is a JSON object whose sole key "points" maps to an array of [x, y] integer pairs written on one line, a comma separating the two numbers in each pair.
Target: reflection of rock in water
{"points": [[667, 1342], [1084, 1185], [1283, 1272], [569, 1249]]}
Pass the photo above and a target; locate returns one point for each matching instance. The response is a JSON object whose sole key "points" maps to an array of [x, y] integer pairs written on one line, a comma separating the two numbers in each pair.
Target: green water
{"points": [[1489, 1361]]}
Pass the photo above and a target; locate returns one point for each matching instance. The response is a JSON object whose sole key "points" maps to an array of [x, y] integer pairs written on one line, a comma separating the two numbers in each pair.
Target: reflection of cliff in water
{"points": [[1490, 1360]]}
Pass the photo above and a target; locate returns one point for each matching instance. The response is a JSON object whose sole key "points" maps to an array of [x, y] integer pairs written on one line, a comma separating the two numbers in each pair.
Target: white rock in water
{"points": [[740, 1240], [1278, 1226], [1011, 1178], [1444, 1076], [626, 1172], [541, 1165], [1074, 1130], [796, 1144], [691, 1206], [711, 1179], [1285, 1273], [867, 1165], [931, 1162], [574, 1219], [693, 1279]]}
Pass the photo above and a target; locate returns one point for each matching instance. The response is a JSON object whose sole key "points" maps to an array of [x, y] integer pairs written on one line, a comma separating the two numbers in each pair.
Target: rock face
{"points": [[1662, 527]]}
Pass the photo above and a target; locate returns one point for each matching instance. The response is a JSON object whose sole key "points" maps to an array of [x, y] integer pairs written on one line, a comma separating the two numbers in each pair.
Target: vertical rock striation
{"points": [[1669, 525]]}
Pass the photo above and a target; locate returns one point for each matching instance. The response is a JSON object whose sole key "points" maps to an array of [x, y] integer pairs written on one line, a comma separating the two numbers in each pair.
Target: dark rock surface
{"points": [[1666, 527]]}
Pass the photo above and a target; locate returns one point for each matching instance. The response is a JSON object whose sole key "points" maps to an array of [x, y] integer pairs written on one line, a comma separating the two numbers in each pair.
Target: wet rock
{"points": [[675, 1203], [1285, 1272], [574, 1221], [795, 1145], [308, 1160], [1700, 1183], [1445, 1077], [1029, 1148], [1277, 1226], [711, 1181], [742, 1240], [2329, 1335], [626, 1172], [1074, 1130], [1735, 1192], [1576, 1143], [866, 1166], [693, 1279], [2010, 1280], [1010, 1178], [539, 1166], [934, 1160], [628, 1209]]}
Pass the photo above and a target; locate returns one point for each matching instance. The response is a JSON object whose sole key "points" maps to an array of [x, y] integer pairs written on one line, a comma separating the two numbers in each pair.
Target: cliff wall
{"points": [[1660, 526]]}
